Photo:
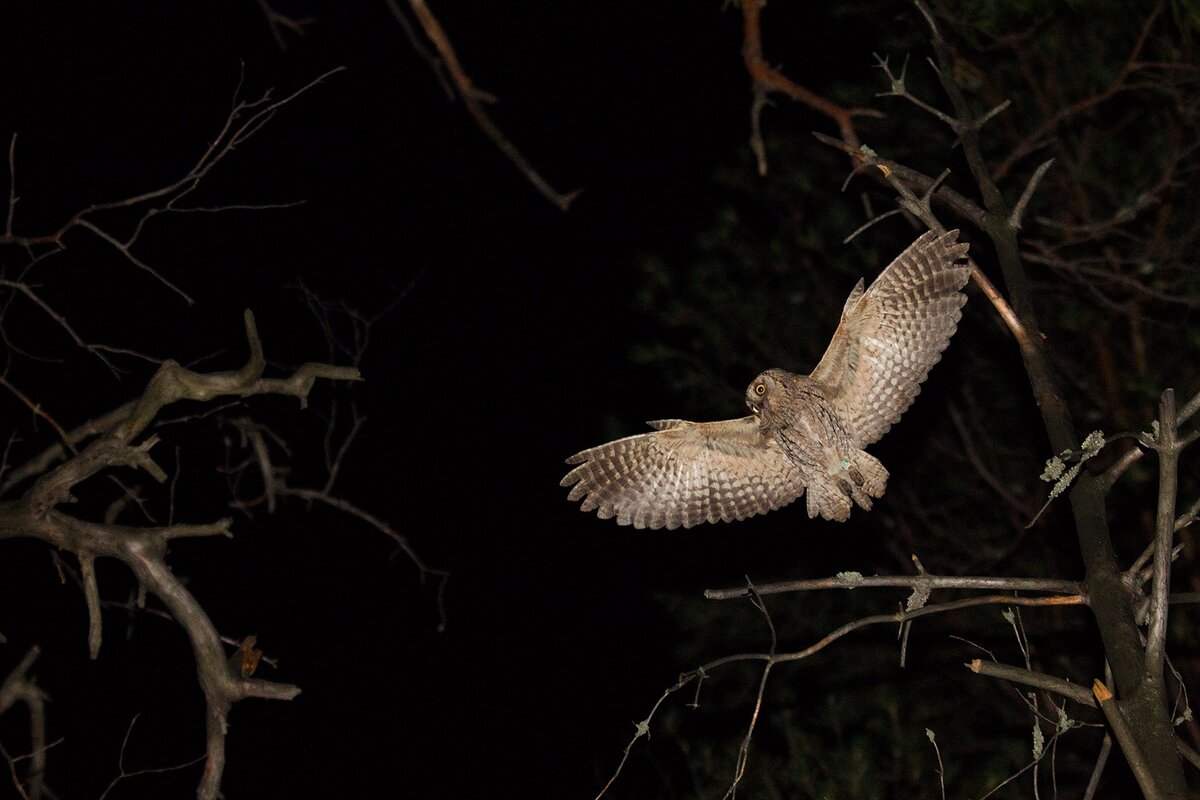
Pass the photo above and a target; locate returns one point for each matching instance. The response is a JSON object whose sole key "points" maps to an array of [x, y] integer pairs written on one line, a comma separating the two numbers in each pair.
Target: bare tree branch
{"points": [[143, 550], [766, 79], [473, 97], [899, 178], [1050, 683], [773, 658], [1168, 448], [278, 23], [1108, 597], [18, 686], [853, 580]]}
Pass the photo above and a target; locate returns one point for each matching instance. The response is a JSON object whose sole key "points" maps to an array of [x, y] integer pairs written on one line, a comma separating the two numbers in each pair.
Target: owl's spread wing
{"points": [[685, 473], [892, 334]]}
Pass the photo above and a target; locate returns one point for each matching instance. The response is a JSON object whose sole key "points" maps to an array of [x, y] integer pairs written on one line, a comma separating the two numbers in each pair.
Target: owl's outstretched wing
{"points": [[892, 334], [685, 473]]}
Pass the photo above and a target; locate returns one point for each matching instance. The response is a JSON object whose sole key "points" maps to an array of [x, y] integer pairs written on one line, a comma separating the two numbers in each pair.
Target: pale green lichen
{"points": [[1065, 481], [1039, 740], [1065, 723], [850, 579], [918, 598], [930, 735], [1054, 469]]}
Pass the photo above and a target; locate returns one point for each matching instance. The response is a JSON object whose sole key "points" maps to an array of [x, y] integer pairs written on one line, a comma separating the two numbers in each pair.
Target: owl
{"points": [[803, 431]]}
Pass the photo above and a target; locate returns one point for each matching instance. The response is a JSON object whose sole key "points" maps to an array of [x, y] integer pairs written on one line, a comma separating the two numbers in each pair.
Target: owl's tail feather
{"points": [[828, 499]]}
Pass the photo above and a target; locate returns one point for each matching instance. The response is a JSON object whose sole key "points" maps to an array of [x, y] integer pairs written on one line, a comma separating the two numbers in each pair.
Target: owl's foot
{"points": [[859, 478], [869, 474]]}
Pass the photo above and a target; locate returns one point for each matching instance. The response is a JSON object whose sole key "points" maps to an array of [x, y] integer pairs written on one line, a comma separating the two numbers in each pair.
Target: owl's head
{"points": [[762, 390]]}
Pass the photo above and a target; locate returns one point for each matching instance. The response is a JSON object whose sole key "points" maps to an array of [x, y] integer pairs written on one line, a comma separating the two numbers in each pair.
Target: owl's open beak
{"points": [[754, 409]]}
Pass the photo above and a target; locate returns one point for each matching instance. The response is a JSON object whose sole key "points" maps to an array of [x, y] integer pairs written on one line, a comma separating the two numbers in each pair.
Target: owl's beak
{"points": [[754, 409]]}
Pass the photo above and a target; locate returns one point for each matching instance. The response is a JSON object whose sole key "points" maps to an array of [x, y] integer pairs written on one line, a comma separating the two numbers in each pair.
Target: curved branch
{"points": [[472, 96], [143, 550], [766, 79]]}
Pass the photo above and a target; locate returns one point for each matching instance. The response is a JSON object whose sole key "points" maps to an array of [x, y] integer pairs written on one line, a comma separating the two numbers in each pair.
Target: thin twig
{"points": [[143, 550], [1098, 770], [898, 617], [1014, 220], [473, 99], [1168, 485]]}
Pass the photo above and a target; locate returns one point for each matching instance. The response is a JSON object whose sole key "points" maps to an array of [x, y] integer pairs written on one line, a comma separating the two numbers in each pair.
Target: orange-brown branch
{"points": [[473, 97], [767, 79]]}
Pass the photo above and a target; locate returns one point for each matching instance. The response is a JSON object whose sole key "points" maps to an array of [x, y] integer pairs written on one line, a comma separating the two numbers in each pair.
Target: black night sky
{"points": [[506, 346]]}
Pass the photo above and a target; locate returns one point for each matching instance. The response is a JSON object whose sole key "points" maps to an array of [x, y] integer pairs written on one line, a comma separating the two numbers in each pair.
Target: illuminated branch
{"points": [[143, 549], [449, 71]]}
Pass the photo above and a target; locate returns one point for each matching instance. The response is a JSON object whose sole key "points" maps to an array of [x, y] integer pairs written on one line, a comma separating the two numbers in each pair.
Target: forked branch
{"points": [[143, 550]]}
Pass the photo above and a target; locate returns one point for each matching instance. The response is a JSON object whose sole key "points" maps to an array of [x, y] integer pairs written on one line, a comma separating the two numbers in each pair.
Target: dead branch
{"points": [[70, 441], [770, 659], [1037, 138], [1168, 446], [1109, 599], [125, 773], [449, 70], [1135, 454], [853, 580], [766, 79], [245, 119], [275, 485], [18, 686], [903, 179], [1072, 691], [143, 549], [279, 23]]}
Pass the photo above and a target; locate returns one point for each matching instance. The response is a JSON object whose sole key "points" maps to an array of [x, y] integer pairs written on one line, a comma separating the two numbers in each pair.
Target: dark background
{"points": [[507, 347]]}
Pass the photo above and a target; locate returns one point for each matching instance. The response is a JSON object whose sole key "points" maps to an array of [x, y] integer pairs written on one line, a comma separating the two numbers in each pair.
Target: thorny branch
{"points": [[143, 550], [1038, 137]]}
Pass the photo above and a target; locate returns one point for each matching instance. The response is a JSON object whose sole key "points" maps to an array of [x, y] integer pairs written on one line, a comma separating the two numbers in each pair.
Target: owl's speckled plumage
{"points": [[804, 430]]}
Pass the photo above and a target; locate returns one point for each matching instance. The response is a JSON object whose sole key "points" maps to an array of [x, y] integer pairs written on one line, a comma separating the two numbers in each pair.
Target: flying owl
{"points": [[804, 431]]}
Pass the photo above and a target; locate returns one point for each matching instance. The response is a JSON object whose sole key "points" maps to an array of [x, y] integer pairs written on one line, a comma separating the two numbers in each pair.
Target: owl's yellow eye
{"points": [[760, 389]]}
